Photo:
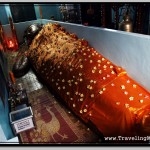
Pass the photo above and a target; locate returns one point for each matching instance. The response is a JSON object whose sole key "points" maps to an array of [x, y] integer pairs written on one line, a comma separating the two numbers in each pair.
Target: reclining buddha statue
{"points": [[96, 90]]}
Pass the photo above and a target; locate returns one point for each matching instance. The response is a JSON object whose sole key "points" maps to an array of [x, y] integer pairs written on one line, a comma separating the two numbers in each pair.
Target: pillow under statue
{"points": [[22, 65]]}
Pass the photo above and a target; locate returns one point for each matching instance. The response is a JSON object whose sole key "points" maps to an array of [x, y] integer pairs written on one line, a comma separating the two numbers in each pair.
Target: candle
{"points": [[14, 35], [12, 77], [1, 47], [10, 44]]}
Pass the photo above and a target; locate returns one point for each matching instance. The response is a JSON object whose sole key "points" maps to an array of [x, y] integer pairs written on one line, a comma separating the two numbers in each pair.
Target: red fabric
{"points": [[93, 87]]}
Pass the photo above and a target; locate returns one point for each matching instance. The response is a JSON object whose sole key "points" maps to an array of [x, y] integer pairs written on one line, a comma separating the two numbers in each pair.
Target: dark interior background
{"points": [[22, 12], [99, 14]]}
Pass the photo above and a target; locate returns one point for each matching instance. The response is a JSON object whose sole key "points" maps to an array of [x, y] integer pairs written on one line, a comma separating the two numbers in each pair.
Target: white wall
{"points": [[128, 50]]}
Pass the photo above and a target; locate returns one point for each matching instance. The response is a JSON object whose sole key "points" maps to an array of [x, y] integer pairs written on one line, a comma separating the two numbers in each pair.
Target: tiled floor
{"points": [[30, 82]]}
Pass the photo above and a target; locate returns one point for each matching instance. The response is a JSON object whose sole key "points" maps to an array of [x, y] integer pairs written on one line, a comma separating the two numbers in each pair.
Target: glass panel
{"points": [[20, 114]]}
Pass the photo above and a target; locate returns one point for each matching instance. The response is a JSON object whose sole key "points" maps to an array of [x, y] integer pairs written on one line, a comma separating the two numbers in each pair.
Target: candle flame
{"points": [[10, 44]]}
